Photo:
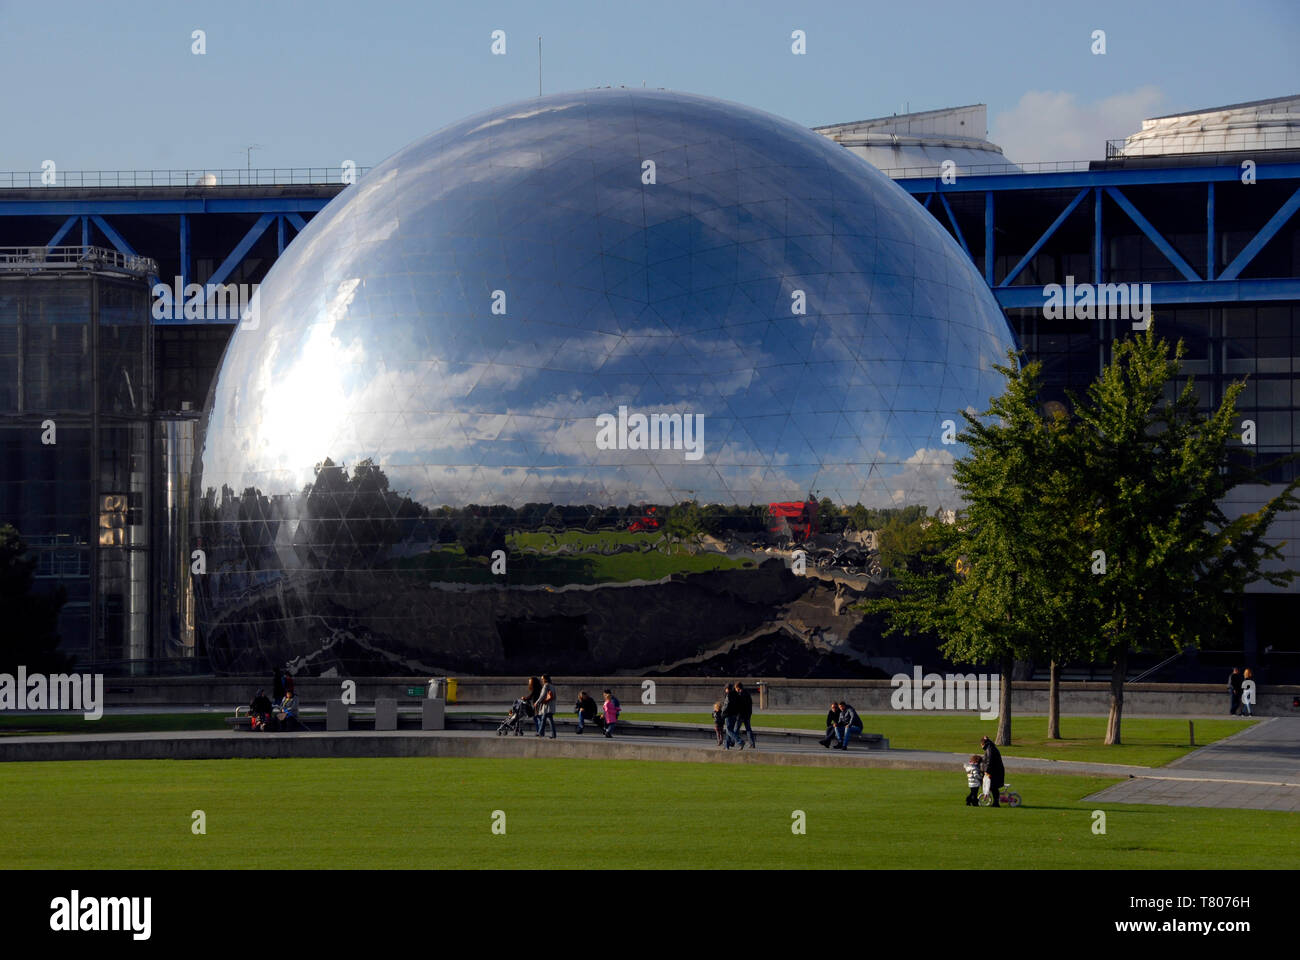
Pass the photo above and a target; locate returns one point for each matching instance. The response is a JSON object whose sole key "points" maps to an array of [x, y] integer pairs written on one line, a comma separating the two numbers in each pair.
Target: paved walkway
{"points": [[1257, 769]]}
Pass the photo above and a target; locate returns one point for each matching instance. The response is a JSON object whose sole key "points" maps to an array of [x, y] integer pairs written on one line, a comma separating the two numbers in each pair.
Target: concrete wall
{"points": [[695, 692]]}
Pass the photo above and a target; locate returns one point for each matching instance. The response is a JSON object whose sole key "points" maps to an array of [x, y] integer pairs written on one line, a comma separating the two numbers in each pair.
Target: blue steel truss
{"points": [[1222, 286], [91, 215], [1221, 283]]}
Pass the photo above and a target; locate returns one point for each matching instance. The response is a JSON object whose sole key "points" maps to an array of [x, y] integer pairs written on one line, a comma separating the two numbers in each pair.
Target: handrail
{"points": [[195, 177], [1146, 673], [73, 258]]}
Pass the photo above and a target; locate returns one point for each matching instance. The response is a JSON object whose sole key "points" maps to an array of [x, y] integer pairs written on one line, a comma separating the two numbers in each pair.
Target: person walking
{"points": [[545, 710], [730, 711], [611, 709], [745, 713], [1248, 693], [974, 776], [993, 768], [1234, 690]]}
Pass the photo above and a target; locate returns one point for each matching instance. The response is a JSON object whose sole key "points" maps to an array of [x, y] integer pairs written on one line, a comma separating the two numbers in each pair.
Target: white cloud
{"points": [[1054, 125]]}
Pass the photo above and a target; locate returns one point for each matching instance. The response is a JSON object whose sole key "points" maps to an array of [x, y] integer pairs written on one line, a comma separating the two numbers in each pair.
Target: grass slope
{"points": [[1147, 741], [585, 814], [30, 724]]}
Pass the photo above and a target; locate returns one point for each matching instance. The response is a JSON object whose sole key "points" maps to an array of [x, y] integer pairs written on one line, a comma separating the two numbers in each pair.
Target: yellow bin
{"points": [[451, 690]]}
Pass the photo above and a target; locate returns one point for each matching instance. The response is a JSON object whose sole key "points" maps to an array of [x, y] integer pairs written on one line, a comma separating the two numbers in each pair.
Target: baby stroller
{"points": [[514, 722]]}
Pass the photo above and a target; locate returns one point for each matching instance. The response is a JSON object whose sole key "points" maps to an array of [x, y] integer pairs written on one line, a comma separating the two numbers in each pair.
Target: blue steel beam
{"points": [[1209, 230], [279, 236], [298, 222], [1173, 291], [85, 231], [1258, 242], [115, 238], [1047, 235], [1096, 236], [185, 250], [928, 198], [1153, 234], [59, 234], [953, 221], [240, 251], [988, 237], [1154, 176]]}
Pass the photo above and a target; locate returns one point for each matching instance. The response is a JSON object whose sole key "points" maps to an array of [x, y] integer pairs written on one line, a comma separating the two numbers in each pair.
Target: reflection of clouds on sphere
{"points": [[497, 331], [377, 337]]}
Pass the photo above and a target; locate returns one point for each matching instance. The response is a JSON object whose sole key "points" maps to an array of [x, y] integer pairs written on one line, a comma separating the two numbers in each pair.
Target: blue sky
{"points": [[115, 86]]}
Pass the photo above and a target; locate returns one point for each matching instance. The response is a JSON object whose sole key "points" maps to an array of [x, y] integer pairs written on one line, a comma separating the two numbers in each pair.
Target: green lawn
{"points": [[1147, 742], [449, 564], [111, 723], [436, 813]]}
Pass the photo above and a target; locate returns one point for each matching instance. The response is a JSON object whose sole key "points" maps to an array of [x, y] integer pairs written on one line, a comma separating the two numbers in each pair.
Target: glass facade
{"points": [[75, 395], [548, 384], [1258, 343]]}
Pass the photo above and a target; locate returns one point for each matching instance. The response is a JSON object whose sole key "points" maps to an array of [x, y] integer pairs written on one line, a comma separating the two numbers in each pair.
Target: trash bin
{"points": [[451, 690]]}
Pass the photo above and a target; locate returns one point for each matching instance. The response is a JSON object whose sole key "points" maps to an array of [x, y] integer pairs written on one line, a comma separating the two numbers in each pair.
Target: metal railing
{"points": [[41, 259], [197, 177], [1204, 141], [987, 169], [1148, 672]]}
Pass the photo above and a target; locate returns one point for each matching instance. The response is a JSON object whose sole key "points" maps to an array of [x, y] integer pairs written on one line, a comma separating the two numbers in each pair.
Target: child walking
{"points": [[974, 779], [719, 722], [611, 709]]}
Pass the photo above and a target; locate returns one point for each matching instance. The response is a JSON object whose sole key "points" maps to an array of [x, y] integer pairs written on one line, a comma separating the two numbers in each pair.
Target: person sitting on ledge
{"points": [[259, 710], [288, 713], [848, 724], [586, 710], [832, 718]]}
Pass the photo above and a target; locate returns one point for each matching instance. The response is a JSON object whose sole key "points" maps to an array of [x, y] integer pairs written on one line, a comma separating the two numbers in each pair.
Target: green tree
{"points": [[1166, 563], [989, 585], [685, 521], [903, 544], [31, 636]]}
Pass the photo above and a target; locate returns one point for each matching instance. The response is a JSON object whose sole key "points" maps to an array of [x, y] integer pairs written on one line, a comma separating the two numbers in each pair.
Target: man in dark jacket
{"points": [[993, 767], [587, 712], [745, 712], [846, 724], [1235, 683], [730, 712]]}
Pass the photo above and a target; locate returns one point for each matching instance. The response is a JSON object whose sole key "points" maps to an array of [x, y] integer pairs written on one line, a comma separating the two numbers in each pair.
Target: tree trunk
{"points": [[1054, 702], [1003, 738], [1118, 670]]}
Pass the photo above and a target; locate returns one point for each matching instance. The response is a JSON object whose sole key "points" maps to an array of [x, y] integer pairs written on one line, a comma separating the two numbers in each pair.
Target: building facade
{"points": [[1200, 206]]}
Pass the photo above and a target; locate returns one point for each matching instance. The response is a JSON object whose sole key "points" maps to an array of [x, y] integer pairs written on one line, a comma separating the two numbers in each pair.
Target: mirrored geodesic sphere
{"points": [[560, 386]]}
